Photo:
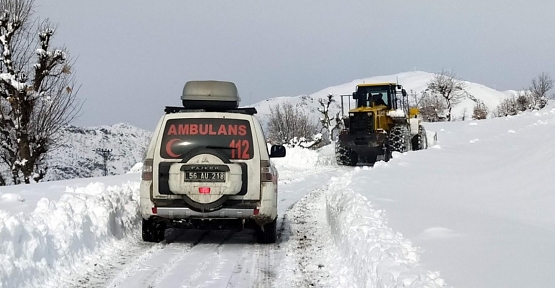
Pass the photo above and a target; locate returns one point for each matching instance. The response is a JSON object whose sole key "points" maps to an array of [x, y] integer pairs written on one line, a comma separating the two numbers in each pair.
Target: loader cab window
{"points": [[373, 95]]}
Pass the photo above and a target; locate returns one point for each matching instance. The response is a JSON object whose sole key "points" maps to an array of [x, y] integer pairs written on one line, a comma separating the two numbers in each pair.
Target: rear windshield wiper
{"points": [[220, 147]]}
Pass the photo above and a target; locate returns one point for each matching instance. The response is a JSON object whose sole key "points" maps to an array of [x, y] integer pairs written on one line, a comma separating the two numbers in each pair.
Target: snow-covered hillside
{"points": [[415, 81], [76, 157], [474, 210]]}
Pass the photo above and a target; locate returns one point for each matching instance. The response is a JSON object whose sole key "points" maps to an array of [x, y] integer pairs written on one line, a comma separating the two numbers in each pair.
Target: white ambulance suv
{"points": [[208, 166]]}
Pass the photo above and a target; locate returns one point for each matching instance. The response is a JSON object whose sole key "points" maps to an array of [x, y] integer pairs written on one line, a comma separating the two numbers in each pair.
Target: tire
{"points": [[268, 233], [387, 154], [369, 159], [153, 231], [345, 156], [422, 138], [420, 141], [399, 138]]}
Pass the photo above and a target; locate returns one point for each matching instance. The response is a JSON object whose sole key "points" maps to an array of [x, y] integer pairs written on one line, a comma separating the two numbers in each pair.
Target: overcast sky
{"points": [[133, 57]]}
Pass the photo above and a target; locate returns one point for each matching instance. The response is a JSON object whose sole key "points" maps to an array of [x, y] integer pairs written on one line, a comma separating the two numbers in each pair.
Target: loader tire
{"points": [[420, 141], [399, 138], [345, 156]]}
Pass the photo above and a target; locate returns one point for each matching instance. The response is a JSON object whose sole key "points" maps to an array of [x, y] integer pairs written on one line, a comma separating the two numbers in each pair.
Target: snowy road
{"points": [[88, 235], [200, 259], [221, 258]]}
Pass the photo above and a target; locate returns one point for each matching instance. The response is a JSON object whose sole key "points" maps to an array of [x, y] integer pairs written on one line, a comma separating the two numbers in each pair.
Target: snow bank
{"points": [[57, 234], [378, 256], [300, 162], [137, 168], [12, 197]]}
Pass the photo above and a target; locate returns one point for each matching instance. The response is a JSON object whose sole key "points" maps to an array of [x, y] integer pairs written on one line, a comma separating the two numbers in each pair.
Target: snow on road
{"points": [[88, 236], [478, 207], [194, 258]]}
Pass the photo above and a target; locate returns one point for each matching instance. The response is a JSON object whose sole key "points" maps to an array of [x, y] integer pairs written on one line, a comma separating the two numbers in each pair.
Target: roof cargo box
{"points": [[210, 95]]}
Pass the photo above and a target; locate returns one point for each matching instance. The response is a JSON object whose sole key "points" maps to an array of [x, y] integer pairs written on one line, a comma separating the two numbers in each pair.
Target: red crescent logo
{"points": [[169, 148]]}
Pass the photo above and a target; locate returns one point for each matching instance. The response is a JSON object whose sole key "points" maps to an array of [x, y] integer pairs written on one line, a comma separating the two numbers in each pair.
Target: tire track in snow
{"points": [[103, 267], [235, 261], [203, 273], [144, 270], [255, 267], [311, 252]]}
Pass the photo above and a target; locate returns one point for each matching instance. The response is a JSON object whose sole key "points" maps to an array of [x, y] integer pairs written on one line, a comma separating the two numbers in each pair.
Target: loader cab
{"points": [[386, 94]]}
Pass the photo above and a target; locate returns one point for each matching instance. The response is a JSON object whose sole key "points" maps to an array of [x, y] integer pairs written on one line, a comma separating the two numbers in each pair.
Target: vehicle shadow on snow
{"points": [[220, 236]]}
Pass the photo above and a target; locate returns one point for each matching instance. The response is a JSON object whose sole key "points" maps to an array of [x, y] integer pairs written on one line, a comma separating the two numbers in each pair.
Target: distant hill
{"points": [[412, 81], [76, 157]]}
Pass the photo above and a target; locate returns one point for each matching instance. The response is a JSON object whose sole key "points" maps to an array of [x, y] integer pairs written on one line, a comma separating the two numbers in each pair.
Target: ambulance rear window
{"points": [[232, 137]]}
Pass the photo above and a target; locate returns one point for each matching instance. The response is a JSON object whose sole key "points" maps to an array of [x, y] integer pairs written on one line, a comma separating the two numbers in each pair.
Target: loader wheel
{"points": [[400, 139], [420, 141], [345, 156]]}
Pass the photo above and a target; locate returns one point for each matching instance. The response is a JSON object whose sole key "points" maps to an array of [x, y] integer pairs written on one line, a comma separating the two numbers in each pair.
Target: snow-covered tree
{"points": [[480, 111], [507, 107], [414, 99], [539, 88], [432, 107], [524, 101], [451, 89], [287, 122], [329, 124], [37, 91]]}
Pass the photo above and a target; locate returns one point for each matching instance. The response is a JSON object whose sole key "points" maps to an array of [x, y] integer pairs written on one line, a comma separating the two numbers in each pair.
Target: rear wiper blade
{"points": [[220, 147]]}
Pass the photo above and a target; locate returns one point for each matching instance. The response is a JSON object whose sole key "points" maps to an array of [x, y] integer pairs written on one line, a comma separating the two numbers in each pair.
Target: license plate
{"points": [[204, 176]]}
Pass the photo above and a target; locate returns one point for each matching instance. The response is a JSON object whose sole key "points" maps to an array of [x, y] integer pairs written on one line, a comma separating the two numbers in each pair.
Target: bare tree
{"points": [[480, 111], [539, 88], [507, 107], [415, 99], [464, 112], [449, 88], [287, 122], [37, 91], [432, 107], [524, 101], [329, 124]]}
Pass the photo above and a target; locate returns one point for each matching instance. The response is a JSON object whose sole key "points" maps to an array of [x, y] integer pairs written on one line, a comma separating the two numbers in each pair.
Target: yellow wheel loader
{"points": [[381, 122]]}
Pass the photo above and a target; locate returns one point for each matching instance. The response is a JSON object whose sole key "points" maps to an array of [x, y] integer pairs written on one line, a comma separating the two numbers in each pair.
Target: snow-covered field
{"points": [[474, 210]]}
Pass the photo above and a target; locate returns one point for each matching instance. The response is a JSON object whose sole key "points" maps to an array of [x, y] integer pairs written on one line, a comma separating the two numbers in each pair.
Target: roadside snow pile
{"points": [[47, 241], [378, 256], [11, 197], [302, 161], [137, 168]]}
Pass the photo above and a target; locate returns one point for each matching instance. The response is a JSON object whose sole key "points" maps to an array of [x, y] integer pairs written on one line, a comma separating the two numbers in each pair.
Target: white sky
{"points": [[135, 56]]}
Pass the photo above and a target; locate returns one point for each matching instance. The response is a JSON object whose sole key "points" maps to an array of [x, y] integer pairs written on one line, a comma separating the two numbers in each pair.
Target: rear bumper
{"points": [[266, 206], [186, 213]]}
